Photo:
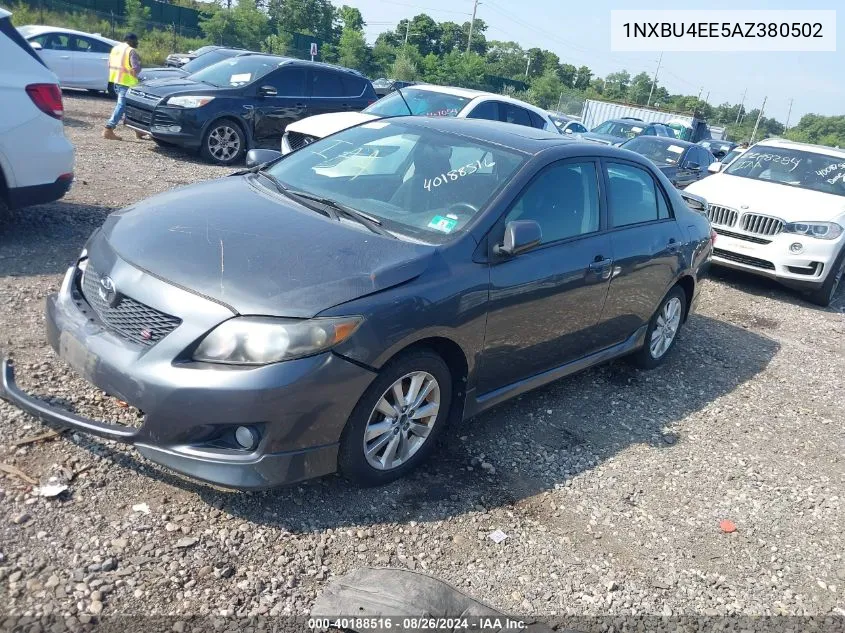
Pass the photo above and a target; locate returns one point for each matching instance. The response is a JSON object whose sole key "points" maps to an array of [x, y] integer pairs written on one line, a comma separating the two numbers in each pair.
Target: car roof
{"points": [[38, 29], [470, 93], [806, 147], [668, 140]]}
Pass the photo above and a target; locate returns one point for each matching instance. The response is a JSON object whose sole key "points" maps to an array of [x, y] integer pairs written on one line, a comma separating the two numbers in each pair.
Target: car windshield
{"points": [[796, 168], [680, 131], [417, 182], [237, 71], [731, 155], [422, 103], [202, 50], [657, 151], [207, 59], [559, 122], [617, 128]]}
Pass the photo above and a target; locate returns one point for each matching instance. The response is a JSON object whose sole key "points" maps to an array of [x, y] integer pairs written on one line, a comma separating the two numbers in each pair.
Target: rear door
{"points": [[272, 114], [356, 91], [646, 244], [57, 54], [327, 92], [91, 62]]}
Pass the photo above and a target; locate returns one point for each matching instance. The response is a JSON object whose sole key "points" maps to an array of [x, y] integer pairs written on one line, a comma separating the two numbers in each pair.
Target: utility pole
{"points": [[759, 116], [700, 90], [788, 114], [559, 101], [472, 24], [741, 103], [407, 31], [654, 80], [707, 98], [527, 66]]}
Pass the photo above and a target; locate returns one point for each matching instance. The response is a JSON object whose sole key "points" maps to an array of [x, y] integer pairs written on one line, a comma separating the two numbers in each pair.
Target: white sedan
{"points": [[421, 100], [778, 210], [80, 60]]}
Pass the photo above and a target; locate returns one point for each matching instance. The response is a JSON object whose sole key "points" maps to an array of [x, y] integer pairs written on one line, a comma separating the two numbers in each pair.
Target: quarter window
{"points": [[634, 196], [325, 84], [563, 200], [515, 114]]}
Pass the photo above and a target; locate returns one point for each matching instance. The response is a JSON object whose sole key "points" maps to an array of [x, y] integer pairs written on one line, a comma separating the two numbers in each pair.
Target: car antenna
{"points": [[399, 90]]}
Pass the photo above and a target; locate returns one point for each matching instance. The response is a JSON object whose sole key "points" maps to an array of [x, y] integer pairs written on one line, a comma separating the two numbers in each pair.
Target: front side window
{"points": [[792, 167], [421, 101], [237, 71], [53, 41], [563, 200], [288, 82], [417, 185], [633, 195]]}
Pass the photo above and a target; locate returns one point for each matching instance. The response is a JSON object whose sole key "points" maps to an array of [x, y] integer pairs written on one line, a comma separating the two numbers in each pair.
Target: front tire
{"points": [[663, 330], [224, 142], [823, 295], [397, 422]]}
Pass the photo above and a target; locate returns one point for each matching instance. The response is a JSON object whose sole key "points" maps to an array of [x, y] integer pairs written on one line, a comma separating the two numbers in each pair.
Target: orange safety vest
{"points": [[120, 68]]}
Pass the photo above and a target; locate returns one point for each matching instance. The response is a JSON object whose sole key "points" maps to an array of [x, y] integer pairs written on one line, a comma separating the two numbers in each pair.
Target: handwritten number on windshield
{"points": [[454, 174]]}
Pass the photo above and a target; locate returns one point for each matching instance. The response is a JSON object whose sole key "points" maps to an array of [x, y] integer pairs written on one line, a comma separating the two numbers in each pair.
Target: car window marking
{"points": [[675, 149], [755, 159], [453, 174]]}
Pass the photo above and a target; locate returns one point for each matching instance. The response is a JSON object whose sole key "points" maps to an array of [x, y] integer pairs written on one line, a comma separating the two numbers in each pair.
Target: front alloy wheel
{"points": [[224, 143]]}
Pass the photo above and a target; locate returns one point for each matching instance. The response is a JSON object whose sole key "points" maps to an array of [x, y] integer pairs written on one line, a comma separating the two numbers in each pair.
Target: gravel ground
{"points": [[610, 485]]}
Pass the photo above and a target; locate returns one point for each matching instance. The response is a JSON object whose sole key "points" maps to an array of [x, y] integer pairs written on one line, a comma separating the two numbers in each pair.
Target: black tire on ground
{"points": [[823, 295], [224, 143], [645, 357], [352, 461]]}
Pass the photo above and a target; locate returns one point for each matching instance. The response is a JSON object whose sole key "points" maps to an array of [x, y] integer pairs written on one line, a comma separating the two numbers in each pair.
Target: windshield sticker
{"points": [[443, 224], [756, 159], [240, 78], [376, 125], [636, 129], [454, 174], [675, 149]]}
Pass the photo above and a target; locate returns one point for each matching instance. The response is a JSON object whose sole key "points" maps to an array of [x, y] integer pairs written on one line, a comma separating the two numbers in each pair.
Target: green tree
{"points": [[821, 130], [567, 74], [245, 25], [351, 18], [404, 68], [352, 50], [582, 78], [137, 16], [382, 58], [546, 90], [277, 43], [616, 85], [639, 89], [312, 17], [506, 59]]}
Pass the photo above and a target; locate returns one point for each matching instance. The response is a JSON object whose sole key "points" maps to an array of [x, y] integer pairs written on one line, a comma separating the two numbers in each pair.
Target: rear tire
{"points": [[663, 330], [401, 428], [823, 295], [224, 143]]}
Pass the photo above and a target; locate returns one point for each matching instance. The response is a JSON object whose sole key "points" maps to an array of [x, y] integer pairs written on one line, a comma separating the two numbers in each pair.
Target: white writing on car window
{"points": [[756, 159], [453, 174], [836, 177]]}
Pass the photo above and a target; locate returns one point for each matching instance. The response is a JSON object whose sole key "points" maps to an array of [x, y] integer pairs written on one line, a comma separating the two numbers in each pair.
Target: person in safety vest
{"points": [[124, 66]]}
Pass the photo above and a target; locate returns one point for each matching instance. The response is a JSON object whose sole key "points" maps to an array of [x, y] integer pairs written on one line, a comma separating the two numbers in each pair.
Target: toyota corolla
{"points": [[336, 308]]}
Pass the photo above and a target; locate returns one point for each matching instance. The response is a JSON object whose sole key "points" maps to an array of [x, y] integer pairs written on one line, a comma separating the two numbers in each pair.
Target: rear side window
{"points": [[634, 196], [353, 86], [326, 84], [488, 110], [7, 30], [536, 120], [515, 114], [288, 83]]}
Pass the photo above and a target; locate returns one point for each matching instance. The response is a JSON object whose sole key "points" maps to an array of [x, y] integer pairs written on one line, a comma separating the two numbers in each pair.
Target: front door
{"points": [[545, 304], [91, 63], [57, 54], [273, 113]]}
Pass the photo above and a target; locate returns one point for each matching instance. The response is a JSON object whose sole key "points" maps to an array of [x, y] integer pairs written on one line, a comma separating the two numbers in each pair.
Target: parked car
{"points": [[617, 131], [213, 55], [79, 59], [681, 162], [779, 210], [242, 102], [719, 149], [36, 160], [177, 60], [313, 315], [384, 86], [567, 125], [727, 159], [422, 100]]}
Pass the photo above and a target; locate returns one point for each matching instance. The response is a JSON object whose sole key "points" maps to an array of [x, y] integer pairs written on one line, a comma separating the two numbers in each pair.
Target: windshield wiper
{"points": [[339, 209]]}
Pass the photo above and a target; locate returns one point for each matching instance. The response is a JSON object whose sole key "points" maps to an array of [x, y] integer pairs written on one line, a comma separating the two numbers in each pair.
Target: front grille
{"points": [[131, 319], [163, 119], [722, 215], [761, 224], [740, 236], [743, 259], [139, 117], [297, 140]]}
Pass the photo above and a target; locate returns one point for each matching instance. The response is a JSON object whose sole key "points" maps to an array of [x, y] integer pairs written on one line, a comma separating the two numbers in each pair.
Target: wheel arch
{"points": [[234, 118], [687, 284]]}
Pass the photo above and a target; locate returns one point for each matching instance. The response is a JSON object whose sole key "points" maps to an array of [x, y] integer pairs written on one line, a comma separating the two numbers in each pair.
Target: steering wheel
{"points": [[466, 207]]}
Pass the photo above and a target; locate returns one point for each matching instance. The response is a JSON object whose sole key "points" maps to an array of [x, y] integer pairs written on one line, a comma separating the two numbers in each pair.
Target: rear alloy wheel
{"points": [[823, 295], [395, 425], [663, 330], [224, 143]]}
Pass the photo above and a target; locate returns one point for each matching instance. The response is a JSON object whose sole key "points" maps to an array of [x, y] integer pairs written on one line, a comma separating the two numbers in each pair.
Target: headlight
{"points": [[263, 340], [189, 102], [820, 230]]}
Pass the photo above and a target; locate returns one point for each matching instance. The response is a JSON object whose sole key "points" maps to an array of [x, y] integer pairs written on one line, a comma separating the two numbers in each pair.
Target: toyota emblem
{"points": [[107, 291]]}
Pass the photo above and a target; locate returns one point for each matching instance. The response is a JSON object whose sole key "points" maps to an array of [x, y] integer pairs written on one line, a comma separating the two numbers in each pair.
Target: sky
{"points": [[579, 32]]}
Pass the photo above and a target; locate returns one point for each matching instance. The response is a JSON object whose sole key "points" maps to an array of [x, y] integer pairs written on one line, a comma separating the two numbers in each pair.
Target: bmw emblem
{"points": [[107, 291]]}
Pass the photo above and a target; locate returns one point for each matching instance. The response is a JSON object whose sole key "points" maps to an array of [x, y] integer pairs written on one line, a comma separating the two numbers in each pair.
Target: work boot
{"points": [[108, 134], [141, 136]]}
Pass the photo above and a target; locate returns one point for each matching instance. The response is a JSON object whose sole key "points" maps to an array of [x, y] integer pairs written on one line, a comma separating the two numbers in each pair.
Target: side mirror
{"points": [[267, 91], [715, 168], [36, 46], [255, 157], [693, 166], [520, 236]]}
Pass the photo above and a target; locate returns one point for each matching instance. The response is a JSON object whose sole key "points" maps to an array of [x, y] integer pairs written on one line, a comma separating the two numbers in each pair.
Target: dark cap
{"points": [[130, 37]]}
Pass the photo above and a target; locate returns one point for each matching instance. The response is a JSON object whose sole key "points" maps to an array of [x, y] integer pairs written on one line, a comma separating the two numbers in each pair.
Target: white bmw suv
{"points": [[779, 211]]}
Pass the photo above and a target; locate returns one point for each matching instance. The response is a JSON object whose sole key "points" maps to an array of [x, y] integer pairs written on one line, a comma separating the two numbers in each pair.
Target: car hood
{"points": [[608, 139], [321, 125], [168, 86], [257, 252], [788, 203], [164, 72]]}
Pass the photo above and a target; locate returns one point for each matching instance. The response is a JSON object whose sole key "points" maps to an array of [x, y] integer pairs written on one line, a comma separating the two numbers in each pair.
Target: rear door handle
{"points": [[673, 245], [600, 265]]}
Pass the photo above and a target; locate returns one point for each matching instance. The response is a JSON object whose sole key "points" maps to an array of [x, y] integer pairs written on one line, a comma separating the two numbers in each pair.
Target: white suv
{"points": [[779, 211], [36, 160]]}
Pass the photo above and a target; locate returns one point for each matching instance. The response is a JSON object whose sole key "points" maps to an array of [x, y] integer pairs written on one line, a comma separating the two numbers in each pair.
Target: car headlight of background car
{"points": [[193, 101], [264, 340], [820, 230]]}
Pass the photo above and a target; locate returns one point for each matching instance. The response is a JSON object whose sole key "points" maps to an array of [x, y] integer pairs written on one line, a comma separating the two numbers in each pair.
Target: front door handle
{"points": [[600, 265]]}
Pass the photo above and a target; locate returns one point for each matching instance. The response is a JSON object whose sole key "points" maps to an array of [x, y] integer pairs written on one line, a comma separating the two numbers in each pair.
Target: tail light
{"points": [[47, 98]]}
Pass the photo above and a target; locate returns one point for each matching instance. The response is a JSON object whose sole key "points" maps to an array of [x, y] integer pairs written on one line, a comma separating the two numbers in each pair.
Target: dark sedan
{"points": [[176, 60], [617, 131], [336, 308], [212, 56], [681, 162], [241, 103]]}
